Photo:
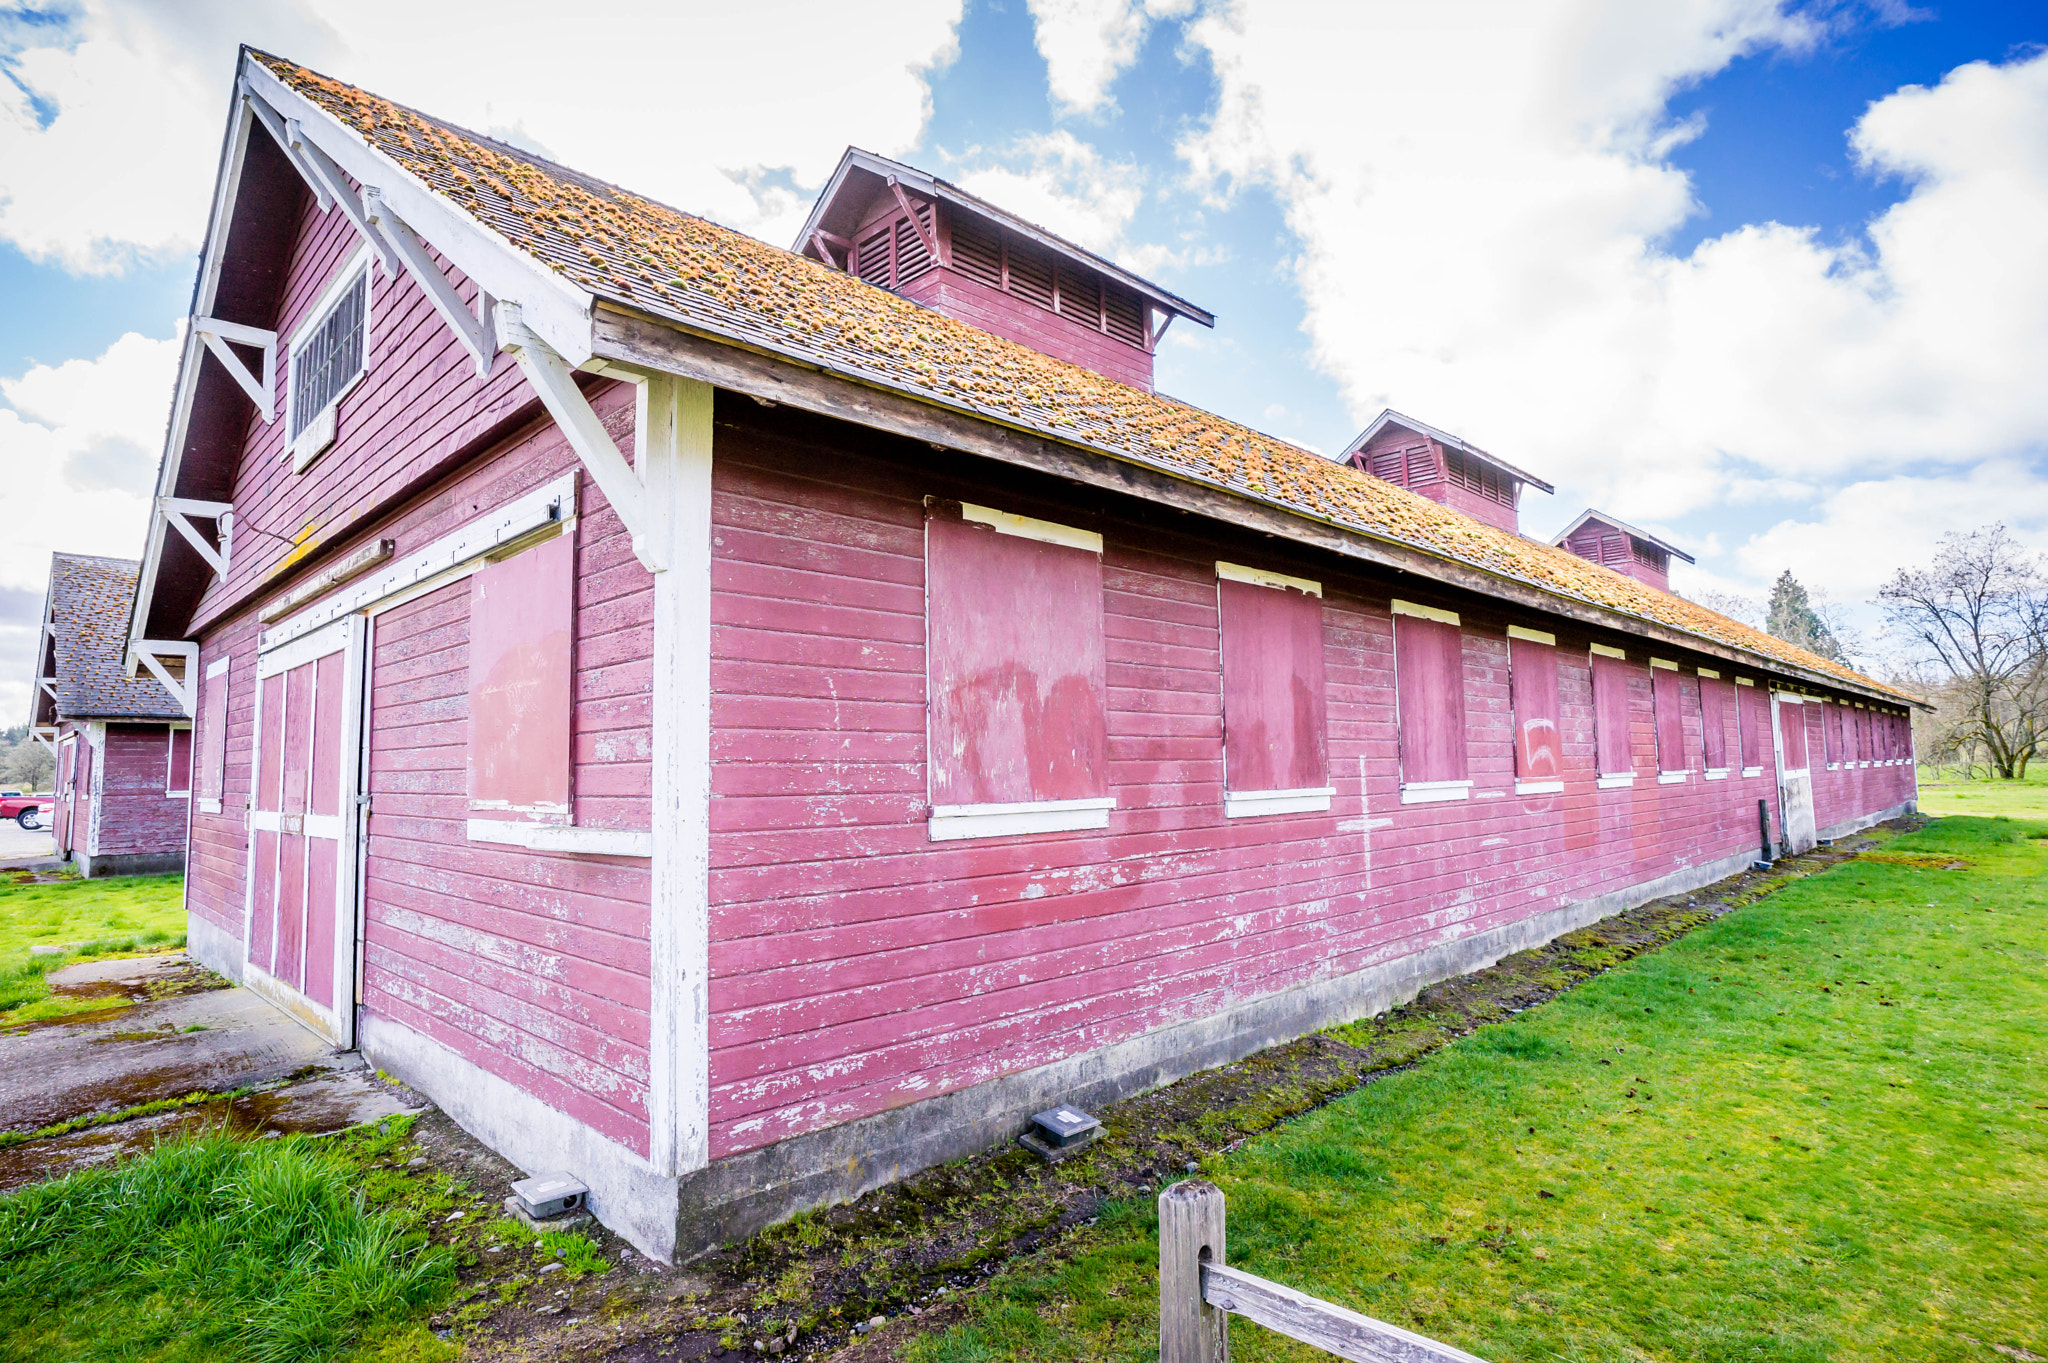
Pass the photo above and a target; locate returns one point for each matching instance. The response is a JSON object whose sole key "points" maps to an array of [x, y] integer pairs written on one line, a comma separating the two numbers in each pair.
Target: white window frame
{"points": [[299, 448], [171, 756]]}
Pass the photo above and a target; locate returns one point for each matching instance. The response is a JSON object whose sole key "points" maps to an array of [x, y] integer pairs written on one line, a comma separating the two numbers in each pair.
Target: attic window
{"points": [[328, 355]]}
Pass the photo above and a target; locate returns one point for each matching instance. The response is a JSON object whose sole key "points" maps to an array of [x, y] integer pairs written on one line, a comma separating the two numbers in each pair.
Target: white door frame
{"points": [[337, 1023], [1796, 819]]}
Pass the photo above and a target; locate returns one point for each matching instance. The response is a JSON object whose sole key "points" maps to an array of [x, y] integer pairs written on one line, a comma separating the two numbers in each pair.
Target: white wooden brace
{"points": [[216, 334], [475, 331], [555, 383]]}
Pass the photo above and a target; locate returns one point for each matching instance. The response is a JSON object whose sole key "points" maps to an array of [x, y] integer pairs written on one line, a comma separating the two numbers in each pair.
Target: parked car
{"points": [[30, 811]]}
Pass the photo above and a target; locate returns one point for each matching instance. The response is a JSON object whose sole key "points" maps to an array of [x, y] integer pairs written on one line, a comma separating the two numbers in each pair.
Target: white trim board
{"points": [[1421, 612], [553, 503], [1533, 636], [1603, 651], [1029, 528], [1434, 792], [555, 837], [1244, 804], [1260, 577], [950, 822]]}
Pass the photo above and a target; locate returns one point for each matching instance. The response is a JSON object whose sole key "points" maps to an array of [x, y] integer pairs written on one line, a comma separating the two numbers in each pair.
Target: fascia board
{"points": [[557, 310], [1384, 552]]}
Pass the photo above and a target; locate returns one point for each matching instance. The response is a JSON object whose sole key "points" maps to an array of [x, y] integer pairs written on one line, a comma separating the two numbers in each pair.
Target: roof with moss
{"points": [[644, 255]]}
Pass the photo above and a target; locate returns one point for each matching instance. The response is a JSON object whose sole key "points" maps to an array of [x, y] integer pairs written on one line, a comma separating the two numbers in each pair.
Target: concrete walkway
{"points": [[155, 1047]]}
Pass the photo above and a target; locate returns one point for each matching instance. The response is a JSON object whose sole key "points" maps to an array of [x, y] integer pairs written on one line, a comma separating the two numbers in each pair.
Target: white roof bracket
{"points": [[555, 383], [336, 181], [475, 331], [150, 651], [217, 334], [177, 511], [273, 123]]}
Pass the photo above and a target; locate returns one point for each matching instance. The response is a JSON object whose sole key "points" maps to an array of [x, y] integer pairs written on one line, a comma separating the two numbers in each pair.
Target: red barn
{"points": [[738, 725], [123, 743]]}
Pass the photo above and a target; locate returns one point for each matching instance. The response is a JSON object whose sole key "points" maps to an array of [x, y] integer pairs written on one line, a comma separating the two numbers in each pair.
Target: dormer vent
{"points": [[1440, 466], [935, 244], [1613, 543]]}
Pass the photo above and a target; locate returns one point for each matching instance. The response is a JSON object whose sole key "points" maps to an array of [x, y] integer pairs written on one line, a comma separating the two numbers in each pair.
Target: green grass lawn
{"points": [[1815, 1129], [93, 917], [1943, 791]]}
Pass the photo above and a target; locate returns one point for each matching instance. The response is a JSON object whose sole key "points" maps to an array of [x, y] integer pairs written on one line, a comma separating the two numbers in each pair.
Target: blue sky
{"points": [[1764, 276]]}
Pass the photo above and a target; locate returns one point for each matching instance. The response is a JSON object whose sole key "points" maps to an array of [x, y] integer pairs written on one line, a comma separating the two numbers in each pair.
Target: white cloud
{"points": [[1480, 191], [79, 442], [1864, 531], [729, 111], [1088, 43], [1064, 185]]}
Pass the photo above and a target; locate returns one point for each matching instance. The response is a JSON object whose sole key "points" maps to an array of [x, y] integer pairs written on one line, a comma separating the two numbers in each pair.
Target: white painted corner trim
{"points": [[1534, 636], [1259, 577], [1603, 651], [1246, 804], [551, 837], [1028, 528], [1617, 781], [951, 822], [1421, 612], [1539, 787], [1434, 792]]}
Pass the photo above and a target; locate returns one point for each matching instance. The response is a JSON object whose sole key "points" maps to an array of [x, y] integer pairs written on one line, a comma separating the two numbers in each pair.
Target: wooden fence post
{"points": [[1190, 1231]]}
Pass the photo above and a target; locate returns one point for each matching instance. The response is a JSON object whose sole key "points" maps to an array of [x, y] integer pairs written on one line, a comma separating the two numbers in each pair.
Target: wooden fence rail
{"points": [[1198, 1292]]}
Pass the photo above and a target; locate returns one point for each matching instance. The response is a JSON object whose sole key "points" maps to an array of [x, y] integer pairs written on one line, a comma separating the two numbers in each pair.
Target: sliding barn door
{"points": [[303, 827]]}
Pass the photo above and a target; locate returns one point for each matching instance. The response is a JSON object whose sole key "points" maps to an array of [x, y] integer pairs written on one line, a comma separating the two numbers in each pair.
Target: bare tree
{"points": [[26, 764], [1979, 614]]}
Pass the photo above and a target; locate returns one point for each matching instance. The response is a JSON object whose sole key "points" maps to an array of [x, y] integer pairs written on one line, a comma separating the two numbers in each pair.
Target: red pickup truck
{"points": [[30, 811]]}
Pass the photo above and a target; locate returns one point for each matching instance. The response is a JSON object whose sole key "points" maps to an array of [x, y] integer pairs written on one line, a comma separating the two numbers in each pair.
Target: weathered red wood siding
{"points": [[419, 407], [531, 965], [858, 966], [1011, 317], [134, 816]]}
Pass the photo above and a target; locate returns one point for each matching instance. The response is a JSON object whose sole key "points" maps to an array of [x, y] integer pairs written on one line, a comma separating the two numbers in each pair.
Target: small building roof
{"points": [[1390, 417], [1589, 514], [864, 174], [86, 620]]}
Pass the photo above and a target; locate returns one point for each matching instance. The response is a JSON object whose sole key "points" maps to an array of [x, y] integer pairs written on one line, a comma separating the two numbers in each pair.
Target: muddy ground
{"points": [[904, 1255]]}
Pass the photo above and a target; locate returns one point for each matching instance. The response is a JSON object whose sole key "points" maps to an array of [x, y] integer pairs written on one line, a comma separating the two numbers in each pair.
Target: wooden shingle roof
{"points": [[717, 282], [88, 613]]}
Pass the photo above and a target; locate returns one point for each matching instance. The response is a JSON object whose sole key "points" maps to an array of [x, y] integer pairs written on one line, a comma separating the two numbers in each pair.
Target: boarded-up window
{"points": [[1532, 691], [1792, 734], [1753, 713], [522, 624], [1714, 722], [1612, 751], [1019, 710], [178, 780], [1863, 735], [1273, 726], [213, 733], [1831, 732], [1429, 692], [1667, 693]]}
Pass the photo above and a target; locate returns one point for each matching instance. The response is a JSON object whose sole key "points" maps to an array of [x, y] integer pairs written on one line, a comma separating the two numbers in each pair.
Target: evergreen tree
{"points": [[1792, 618]]}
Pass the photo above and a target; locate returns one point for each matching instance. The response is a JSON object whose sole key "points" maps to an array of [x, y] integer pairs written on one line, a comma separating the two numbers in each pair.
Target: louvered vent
{"points": [[1421, 466], [1031, 273], [977, 250], [1081, 296], [1474, 476], [913, 257], [871, 259], [1123, 315], [1649, 555], [1391, 466], [328, 361]]}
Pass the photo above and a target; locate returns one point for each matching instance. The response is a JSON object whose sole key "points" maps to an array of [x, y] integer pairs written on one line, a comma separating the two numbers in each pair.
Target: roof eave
{"points": [[1588, 612]]}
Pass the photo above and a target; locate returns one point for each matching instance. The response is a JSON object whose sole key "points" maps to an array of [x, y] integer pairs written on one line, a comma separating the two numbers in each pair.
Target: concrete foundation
{"points": [[129, 864]]}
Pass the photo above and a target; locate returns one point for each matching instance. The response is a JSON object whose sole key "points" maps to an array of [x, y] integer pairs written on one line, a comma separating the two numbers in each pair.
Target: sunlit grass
{"points": [[92, 917], [1948, 791], [213, 1249], [1816, 1129]]}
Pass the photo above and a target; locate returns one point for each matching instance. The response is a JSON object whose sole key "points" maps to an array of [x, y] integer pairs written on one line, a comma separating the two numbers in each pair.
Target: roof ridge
{"points": [[662, 261]]}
